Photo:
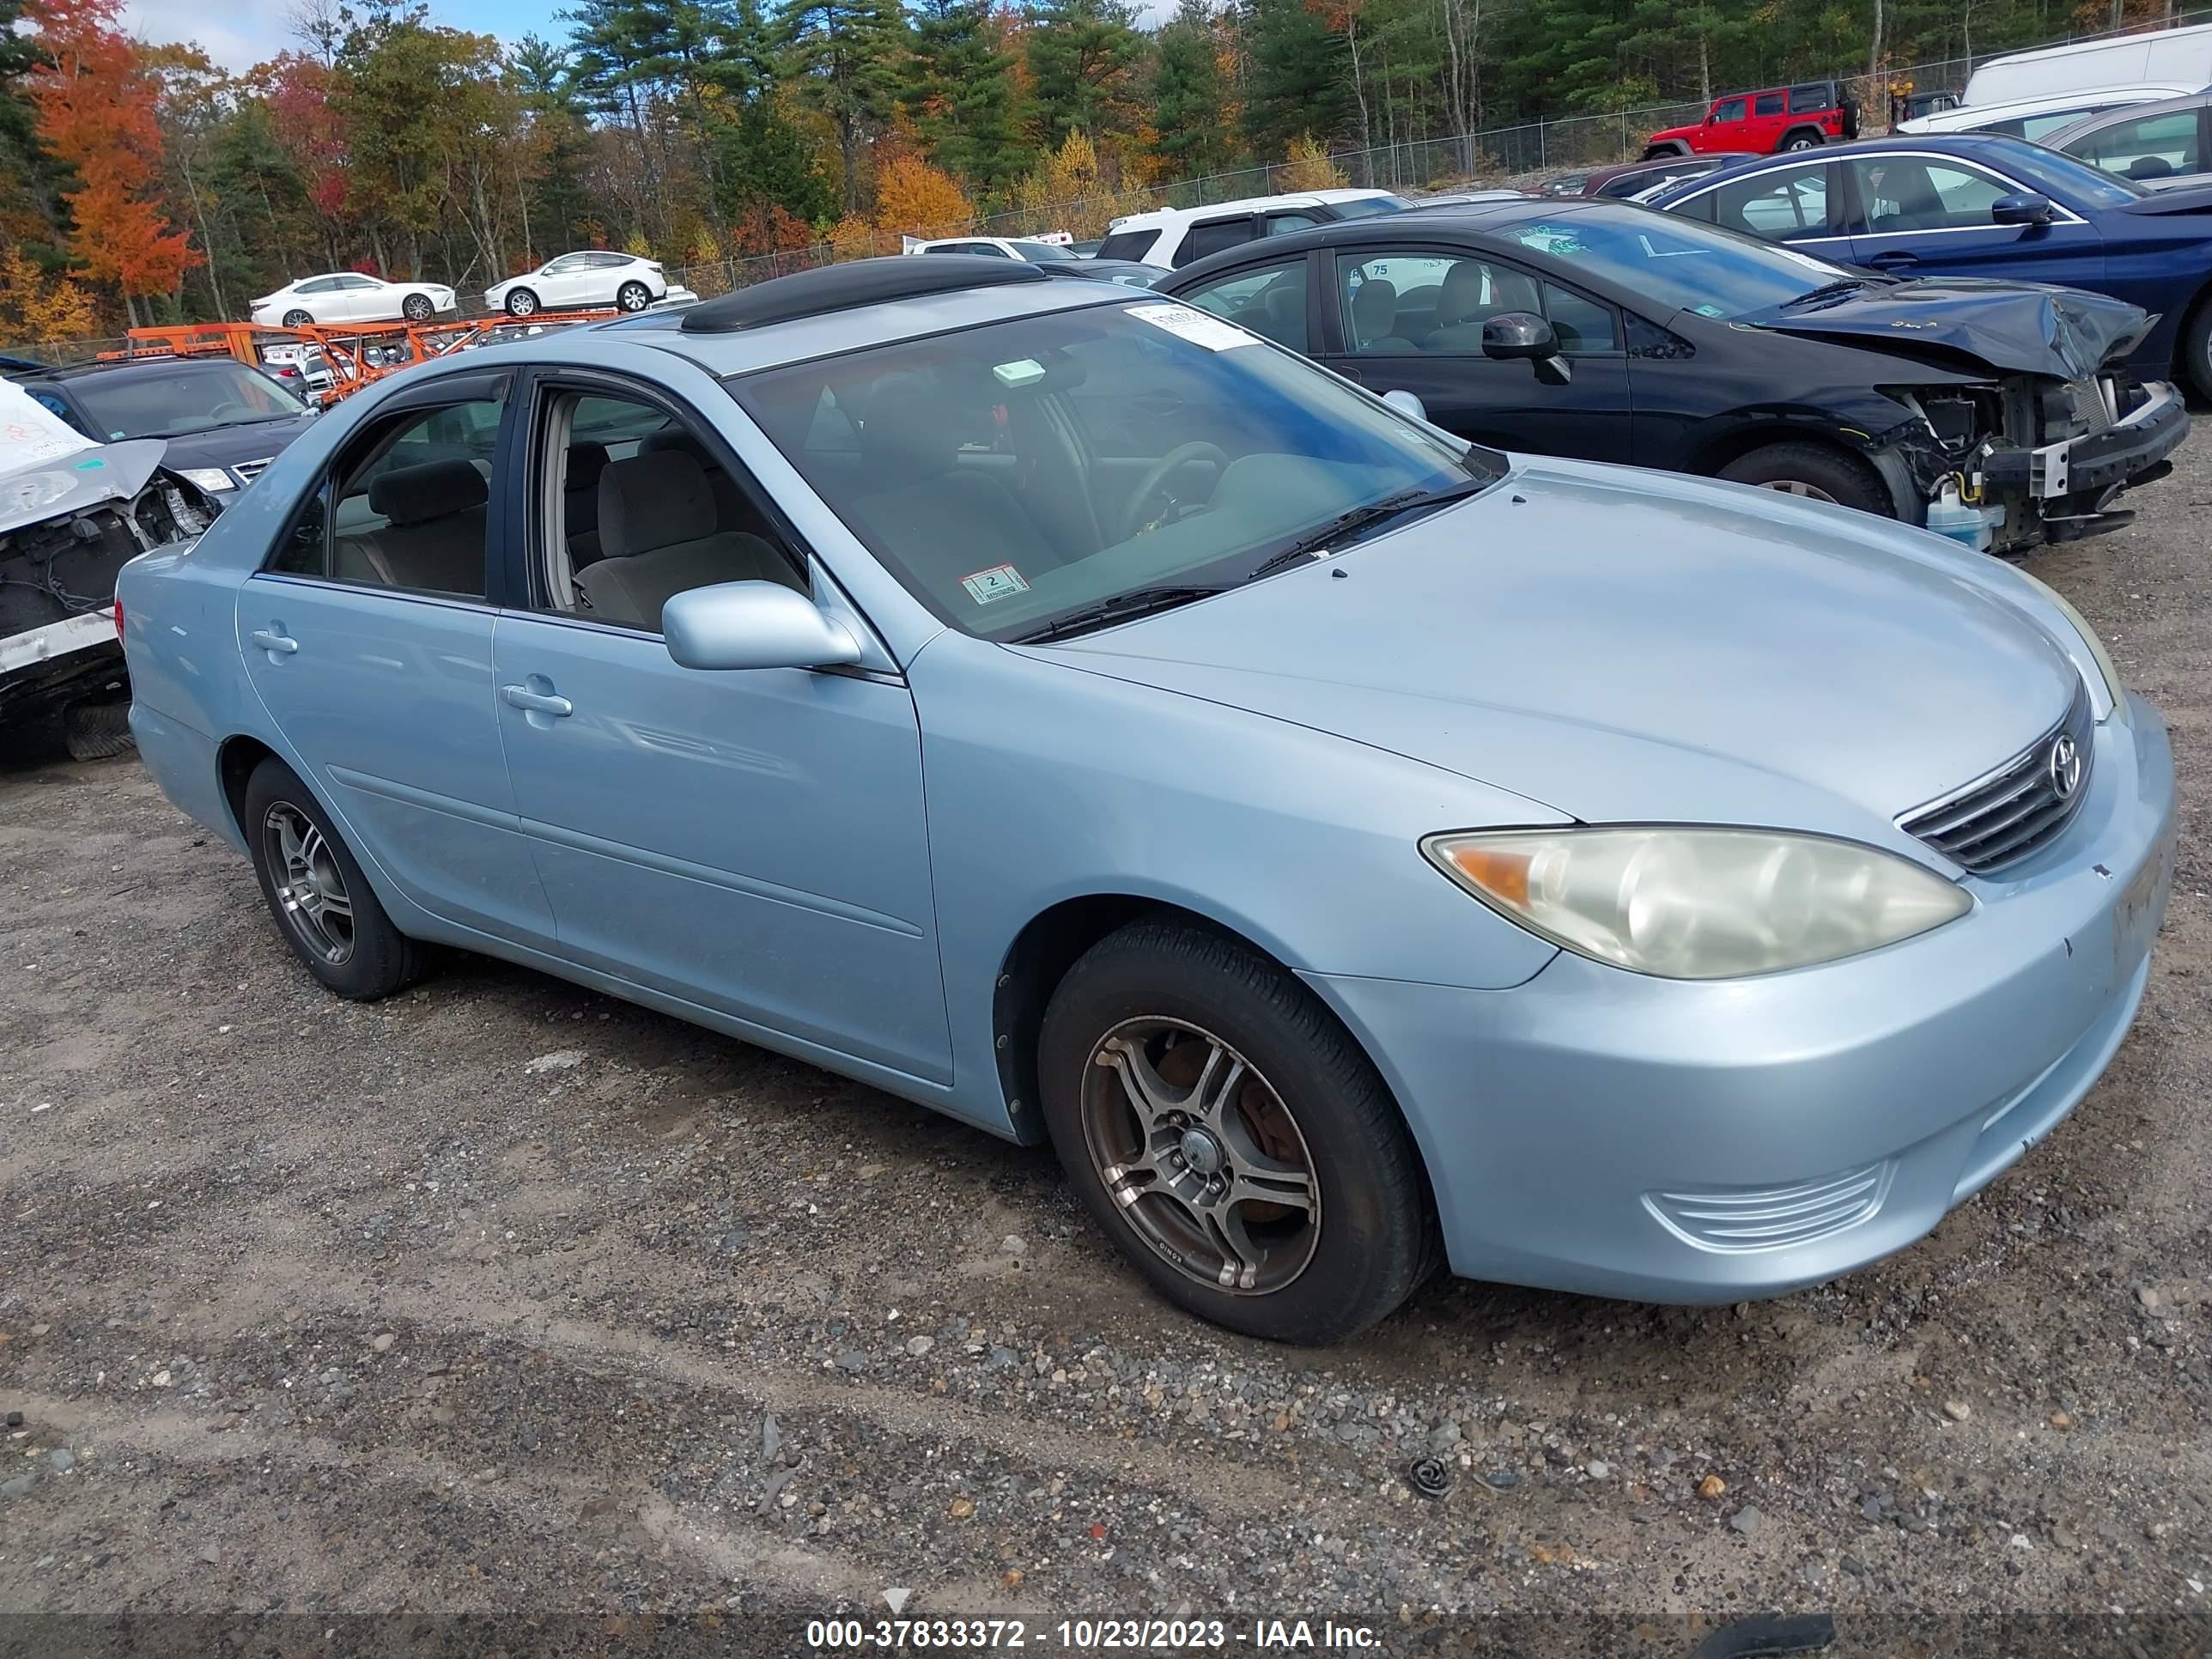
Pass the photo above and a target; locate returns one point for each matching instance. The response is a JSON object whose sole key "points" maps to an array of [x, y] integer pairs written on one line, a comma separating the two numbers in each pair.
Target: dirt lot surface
{"points": [[505, 1298]]}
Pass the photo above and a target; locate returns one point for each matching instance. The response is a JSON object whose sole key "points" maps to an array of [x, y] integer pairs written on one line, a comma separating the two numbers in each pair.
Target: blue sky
{"points": [[239, 34]]}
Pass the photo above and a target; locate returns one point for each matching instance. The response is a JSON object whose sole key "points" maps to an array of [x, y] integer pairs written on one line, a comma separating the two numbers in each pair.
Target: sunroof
{"points": [[862, 282]]}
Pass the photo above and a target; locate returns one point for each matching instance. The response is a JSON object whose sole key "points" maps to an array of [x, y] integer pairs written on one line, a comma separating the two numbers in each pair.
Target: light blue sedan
{"points": [[1059, 707]]}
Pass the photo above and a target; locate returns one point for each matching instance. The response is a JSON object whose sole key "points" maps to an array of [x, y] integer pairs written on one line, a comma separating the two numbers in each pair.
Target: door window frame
{"points": [[523, 554], [1338, 300], [1855, 201], [1317, 335], [447, 392], [1183, 255]]}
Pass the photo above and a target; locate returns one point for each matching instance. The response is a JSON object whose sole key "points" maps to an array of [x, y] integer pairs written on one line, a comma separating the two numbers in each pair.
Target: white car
{"points": [[591, 277], [348, 297], [1175, 236], [1033, 250], [2033, 119]]}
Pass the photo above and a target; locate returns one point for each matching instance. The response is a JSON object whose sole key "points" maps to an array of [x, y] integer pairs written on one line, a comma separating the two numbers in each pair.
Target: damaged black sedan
{"points": [[2000, 414]]}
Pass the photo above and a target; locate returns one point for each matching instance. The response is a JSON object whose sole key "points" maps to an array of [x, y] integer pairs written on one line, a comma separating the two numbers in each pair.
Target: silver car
{"points": [[1352, 850]]}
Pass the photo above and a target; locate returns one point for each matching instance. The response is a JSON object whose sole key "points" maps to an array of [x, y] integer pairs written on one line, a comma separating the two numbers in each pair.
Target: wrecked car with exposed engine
{"points": [[2002, 415], [72, 514]]}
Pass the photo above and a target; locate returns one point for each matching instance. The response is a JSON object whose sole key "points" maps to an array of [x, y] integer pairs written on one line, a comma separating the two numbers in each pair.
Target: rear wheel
{"points": [[522, 303], [1803, 138], [1814, 471], [323, 904], [296, 318], [1232, 1139], [633, 296], [417, 307]]}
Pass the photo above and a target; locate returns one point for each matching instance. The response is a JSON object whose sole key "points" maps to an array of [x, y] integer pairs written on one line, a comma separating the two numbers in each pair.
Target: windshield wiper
{"points": [[1829, 291], [1318, 541], [1137, 602]]}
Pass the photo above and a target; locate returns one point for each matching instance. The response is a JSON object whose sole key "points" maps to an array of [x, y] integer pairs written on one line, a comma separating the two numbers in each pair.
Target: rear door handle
{"points": [[274, 640], [535, 702]]}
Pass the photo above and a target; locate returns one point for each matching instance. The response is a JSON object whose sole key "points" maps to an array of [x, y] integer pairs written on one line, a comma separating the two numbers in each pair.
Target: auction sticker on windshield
{"points": [[1001, 581], [1195, 327]]}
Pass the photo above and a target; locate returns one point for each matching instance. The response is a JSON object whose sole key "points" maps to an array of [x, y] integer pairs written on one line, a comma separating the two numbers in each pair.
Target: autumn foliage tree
{"points": [[39, 308], [95, 105], [913, 196]]}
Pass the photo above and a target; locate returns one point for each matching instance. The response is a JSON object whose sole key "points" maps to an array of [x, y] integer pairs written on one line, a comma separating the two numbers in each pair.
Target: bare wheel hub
{"points": [[1206, 1163], [311, 888]]}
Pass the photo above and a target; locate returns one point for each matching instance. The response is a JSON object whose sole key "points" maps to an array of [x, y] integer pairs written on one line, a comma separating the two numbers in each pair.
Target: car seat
{"points": [[660, 535], [1374, 317], [434, 531], [1471, 294]]}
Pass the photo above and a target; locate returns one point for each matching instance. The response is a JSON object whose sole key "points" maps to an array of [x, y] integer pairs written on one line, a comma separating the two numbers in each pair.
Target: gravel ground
{"points": [[505, 1298]]}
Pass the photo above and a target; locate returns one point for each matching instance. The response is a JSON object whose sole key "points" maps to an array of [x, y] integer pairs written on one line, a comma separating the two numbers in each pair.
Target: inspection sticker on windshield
{"points": [[1194, 327], [1001, 581]]}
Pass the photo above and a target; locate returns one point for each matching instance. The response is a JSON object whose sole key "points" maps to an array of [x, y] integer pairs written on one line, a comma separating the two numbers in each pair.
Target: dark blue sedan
{"points": [[1974, 205]]}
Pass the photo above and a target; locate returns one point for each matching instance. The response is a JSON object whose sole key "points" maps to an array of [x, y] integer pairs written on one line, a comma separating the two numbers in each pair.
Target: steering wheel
{"points": [[225, 410], [1157, 474]]}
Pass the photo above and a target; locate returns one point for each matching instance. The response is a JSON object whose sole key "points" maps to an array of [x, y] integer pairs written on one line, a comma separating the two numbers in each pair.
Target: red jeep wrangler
{"points": [[1781, 118]]}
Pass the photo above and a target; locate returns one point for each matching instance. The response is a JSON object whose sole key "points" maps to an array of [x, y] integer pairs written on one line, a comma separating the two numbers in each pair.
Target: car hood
{"points": [[76, 482], [1630, 646], [2017, 328], [228, 446], [2181, 199]]}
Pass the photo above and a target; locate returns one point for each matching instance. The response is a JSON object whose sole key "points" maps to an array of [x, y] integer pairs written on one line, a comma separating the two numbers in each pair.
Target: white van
{"points": [[2032, 117], [2181, 57], [1176, 236]]}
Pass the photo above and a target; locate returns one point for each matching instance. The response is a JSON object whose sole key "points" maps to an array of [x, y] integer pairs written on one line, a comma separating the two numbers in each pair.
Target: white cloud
{"points": [[237, 34]]}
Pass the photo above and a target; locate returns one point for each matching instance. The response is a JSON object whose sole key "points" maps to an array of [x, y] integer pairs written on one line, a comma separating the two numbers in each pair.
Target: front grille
{"points": [[2092, 401], [249, 471], [2019, 808], [1772, 1218]]}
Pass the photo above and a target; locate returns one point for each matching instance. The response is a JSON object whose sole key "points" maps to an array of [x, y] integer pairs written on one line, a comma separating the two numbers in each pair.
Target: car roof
{"points": [[1154, 217], [2153, 91], [149, 363], [827, 313]]}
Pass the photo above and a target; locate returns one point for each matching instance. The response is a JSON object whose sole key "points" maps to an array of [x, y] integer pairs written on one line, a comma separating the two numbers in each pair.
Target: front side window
{"points": [[1395, 303], [1911, 192], [1043, 253], [189, 397], [635, 508], [1205, 239], [359, 282], [2145, 146], [1365, 207], [1677, 263], [1777, 208], [1282, 224], [1271, 301], [1730, 109], [405, 505], [1205, 455]]}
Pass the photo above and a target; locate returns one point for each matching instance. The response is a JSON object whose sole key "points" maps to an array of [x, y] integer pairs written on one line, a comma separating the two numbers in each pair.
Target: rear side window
{"points": [[2145, 146], [1769, 103], [1807, 100], [1128, 245], [1778, 210], [1205, 239]]}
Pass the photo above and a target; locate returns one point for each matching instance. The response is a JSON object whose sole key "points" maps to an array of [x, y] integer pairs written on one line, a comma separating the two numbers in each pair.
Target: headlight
{"points": [[209, 478], [2113, 690], [1698, 903]]}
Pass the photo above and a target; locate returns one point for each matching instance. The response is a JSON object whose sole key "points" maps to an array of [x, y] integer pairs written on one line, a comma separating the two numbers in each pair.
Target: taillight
{"points": [[119, 621]]}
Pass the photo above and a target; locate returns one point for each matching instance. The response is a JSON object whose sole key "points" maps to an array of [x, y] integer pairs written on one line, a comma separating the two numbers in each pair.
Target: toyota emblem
{"points": [[2064, 767]]}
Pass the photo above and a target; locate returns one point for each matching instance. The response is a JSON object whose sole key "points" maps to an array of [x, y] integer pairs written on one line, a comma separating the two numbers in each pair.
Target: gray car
{"points": [[2158, 146], [1353, 850]]}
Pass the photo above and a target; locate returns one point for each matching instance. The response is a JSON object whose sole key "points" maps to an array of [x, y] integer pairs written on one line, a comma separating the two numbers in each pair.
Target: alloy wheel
{"points": [[416, 307], [633, 296], [521, 303], [1197, 1149], [1798, 487], [311, 889]]}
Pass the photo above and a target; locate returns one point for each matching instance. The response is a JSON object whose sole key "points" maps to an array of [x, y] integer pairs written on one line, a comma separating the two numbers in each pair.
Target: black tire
{"points": [[1814, 470], [417, 308], [1803, 138], [1376, 1238], [97, 731], [2196, 349], [1663, 152], [522, 303], [298, 319], [382, 959], [633, 296]]}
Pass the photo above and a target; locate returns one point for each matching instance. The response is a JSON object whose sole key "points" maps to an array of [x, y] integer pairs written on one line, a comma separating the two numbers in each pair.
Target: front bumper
{"points": [[1607, 1133], [2097, 461]]}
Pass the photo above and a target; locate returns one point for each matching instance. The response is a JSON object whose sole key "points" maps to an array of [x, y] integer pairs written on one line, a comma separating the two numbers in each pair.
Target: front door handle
{"points": [[1894, 259], [535, 702], [275, 641]]}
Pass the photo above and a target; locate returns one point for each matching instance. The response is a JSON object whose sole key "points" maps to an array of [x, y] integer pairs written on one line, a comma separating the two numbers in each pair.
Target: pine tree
{"points": [[1189, 95], [843, 55], [959, 91], [1083, 55]]}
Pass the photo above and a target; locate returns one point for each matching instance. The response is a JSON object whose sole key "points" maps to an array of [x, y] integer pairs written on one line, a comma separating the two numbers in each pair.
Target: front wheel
{"points": [[522, 303], [417, 307], [2196, 350], [1814, 472], [633, 296], [315, 889], [1230, 1137]]}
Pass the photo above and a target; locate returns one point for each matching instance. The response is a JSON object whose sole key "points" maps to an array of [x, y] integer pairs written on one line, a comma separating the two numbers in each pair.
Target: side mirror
{"points": [[2024, 209], [1513, 336], [1407, 403], [753, 624]]}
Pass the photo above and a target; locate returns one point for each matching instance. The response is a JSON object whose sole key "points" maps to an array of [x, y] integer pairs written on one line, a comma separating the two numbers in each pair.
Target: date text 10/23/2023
{"points": [[1093, 1635]]}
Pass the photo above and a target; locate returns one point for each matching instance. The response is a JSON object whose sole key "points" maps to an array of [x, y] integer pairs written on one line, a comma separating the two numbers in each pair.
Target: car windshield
{"points": [[181, 398], [1016, 475], [1367, 206], [1677, 262], [2062, 175], [1039, 253]]}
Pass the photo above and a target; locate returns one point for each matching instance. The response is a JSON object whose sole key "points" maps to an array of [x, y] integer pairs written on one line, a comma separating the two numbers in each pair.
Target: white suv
{"points": [[1176, 236]]}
